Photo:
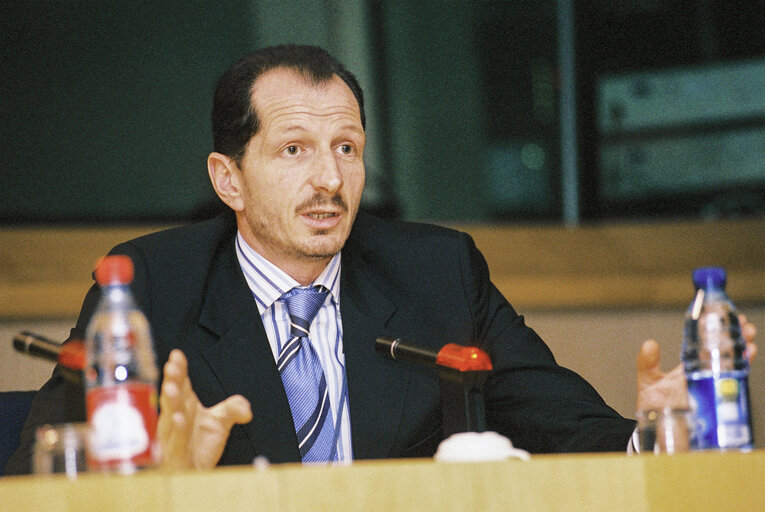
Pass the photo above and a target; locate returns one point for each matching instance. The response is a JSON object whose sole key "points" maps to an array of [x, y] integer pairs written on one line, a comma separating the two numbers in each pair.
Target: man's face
{"points": [[303, 172]]}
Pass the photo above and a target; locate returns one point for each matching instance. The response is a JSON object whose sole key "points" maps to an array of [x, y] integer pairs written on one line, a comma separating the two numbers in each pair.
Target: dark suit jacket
{"points": [[425, 284]]}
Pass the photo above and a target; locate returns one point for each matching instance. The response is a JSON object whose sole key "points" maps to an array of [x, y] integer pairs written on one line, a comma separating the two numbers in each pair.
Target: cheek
{"points": [[267, 200], [354, 179], [279, 188]]}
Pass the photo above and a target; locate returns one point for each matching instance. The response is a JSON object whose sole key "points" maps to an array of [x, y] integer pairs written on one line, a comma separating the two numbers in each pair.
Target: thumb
{"points": [[234, 409], [648, 357]]}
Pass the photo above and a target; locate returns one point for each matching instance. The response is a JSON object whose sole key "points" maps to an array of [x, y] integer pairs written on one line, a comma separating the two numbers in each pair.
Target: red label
{"points": [[123, 422]]}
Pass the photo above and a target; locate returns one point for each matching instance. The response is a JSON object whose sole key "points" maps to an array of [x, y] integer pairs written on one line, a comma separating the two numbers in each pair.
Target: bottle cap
{"points": [[709, 277], [114, 269]]}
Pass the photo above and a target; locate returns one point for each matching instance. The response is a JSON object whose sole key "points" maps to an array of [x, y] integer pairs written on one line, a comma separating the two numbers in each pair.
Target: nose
{"points": [[327, 175]]}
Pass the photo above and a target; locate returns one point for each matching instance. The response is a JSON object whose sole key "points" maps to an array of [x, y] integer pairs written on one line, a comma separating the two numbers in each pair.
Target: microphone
{"points": [[462, 373], [70, 355], [451, 355]]}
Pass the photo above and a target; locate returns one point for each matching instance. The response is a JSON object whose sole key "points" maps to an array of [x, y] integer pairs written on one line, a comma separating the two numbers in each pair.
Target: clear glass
{"points": [[61, 449], [664, 430]]}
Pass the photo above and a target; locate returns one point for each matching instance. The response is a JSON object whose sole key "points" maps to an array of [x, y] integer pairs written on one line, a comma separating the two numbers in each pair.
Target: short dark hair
{"points": [[234, 120]]}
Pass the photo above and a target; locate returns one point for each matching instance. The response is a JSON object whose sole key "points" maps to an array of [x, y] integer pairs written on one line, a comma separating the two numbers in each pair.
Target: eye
{"points": [[292, 150], [346, 149]]}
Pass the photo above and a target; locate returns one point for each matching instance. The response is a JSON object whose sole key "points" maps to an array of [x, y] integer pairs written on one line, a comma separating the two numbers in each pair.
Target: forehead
{"points": [[282, 93]]}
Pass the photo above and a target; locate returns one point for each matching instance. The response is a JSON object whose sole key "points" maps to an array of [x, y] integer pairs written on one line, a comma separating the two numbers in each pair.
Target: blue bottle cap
{"points": [[709, 277]]}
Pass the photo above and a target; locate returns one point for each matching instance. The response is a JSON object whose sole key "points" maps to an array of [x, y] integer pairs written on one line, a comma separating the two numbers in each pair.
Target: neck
{"points": [[304, 273], [303, 269]]}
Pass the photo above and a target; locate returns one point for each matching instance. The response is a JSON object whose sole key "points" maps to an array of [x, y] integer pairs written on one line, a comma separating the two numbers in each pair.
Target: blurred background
{"points": [[597, 150], [543, 110]]}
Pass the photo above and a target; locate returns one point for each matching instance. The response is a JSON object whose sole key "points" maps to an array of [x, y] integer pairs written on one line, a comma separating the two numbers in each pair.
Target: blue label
{"points": [[721, 408]]}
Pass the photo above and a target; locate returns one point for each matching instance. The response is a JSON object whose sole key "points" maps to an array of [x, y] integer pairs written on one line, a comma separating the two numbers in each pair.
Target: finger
{"points": [[176, 412], [176, 367], [748, 332], [169, 426], [648, 357], [168, 400], [172, 383], [233, 410], [751, 350], [212, 428]]}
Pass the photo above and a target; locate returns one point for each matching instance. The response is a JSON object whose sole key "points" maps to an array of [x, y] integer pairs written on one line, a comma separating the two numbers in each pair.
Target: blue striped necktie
{"points": [[304, 380]]}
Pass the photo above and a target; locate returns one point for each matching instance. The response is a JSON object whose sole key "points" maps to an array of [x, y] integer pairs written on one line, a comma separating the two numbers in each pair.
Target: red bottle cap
{"points": [[115, 269]]}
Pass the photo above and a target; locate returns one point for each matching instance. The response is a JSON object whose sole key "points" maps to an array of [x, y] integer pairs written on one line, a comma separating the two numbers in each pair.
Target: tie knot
{"points": [[302, 306]]}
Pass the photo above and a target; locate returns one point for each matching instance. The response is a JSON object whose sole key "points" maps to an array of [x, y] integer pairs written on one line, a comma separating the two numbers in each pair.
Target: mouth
{"points": [[321, 213], [322, 221], [322, 216]]}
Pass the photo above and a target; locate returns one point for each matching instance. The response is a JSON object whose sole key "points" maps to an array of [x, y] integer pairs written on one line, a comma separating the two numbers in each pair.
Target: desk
{"points": [[694, 482]]}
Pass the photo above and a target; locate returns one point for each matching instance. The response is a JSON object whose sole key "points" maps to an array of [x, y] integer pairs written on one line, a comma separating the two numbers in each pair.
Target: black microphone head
{"points": [[23, 340], [36, 345]]}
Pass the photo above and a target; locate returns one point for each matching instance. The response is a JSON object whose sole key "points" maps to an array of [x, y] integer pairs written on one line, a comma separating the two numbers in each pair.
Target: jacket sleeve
{"points": [[539, 405]]}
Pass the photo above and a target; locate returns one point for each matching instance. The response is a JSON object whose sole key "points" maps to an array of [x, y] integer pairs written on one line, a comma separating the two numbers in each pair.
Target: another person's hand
{"points": [[657, 390], [189, 434]]}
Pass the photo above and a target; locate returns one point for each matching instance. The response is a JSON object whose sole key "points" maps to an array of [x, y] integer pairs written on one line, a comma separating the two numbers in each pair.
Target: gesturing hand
{"points": [[657, 390], [189, 434]]}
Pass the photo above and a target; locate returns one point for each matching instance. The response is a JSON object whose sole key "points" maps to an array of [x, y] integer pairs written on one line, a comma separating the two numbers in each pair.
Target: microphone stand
{"points": [[462, 400]]}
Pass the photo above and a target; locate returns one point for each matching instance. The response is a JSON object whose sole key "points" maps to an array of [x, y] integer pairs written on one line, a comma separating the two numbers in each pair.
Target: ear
{"points": [[226, 180]]}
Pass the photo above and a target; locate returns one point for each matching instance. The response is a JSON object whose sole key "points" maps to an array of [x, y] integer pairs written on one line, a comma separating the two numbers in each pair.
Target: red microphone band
{"points": [[73, 355], [463, 359]]}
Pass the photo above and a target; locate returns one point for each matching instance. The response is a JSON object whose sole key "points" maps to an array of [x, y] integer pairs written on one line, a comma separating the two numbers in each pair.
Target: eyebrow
{"points": [[356, 128], [302, 128]]}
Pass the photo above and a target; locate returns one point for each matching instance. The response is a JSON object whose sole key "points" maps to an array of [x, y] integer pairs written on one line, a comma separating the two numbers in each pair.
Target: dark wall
{"points": [[105, 106]]}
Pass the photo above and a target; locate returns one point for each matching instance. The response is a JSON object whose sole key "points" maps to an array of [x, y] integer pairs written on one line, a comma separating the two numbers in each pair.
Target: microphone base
{"points": [[462, 401]]}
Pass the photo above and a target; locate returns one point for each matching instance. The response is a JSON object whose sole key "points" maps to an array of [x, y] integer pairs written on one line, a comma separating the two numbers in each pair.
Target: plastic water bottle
{"points": [[716, 366], [121, 375]]}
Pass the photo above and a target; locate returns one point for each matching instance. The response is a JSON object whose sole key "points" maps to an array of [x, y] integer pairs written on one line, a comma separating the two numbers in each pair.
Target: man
{"points": [[288, 126]]}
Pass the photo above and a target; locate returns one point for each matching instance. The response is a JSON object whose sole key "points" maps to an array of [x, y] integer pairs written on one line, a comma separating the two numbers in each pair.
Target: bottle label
{"points": [[123, 422], [721, 407]]}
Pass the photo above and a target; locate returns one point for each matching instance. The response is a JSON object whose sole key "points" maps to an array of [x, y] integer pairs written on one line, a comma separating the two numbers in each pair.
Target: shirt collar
{"points": [[268, 282]]}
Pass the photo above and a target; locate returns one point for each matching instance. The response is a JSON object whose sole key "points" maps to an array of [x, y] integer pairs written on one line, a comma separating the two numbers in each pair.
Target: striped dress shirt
{"points": [[268, 283]]}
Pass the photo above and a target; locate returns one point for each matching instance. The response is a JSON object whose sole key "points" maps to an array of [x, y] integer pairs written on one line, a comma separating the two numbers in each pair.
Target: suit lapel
{"points": [[242, 361], [375, 395]]}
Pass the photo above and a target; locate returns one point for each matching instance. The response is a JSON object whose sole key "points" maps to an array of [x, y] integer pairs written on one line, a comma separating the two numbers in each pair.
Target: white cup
{"points": [[478, 447]]}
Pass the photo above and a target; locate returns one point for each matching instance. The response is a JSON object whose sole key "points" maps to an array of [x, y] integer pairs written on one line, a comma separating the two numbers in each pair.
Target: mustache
{"points": [[319, 200]]}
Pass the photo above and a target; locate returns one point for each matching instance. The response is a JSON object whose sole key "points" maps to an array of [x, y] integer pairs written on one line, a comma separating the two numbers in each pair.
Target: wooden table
{"points": [[692, 482]]}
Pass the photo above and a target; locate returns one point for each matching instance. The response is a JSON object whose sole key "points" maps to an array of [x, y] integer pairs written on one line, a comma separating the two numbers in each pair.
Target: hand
{"points": [[657, 389], [189, 434]]}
